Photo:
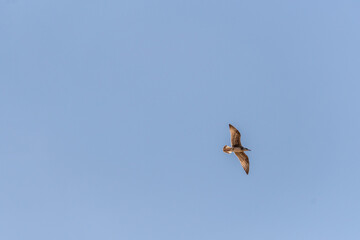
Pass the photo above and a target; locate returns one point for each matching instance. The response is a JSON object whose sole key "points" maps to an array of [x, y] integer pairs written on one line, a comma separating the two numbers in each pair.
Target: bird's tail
{"points": [[227, 149]]}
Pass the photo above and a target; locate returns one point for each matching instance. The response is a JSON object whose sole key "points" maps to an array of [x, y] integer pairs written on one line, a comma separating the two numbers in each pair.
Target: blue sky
{"points": [[114, 115]]}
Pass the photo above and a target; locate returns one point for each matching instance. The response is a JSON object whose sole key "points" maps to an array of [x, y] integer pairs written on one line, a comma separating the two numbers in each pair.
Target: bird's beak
{"points": [[249, 149]]}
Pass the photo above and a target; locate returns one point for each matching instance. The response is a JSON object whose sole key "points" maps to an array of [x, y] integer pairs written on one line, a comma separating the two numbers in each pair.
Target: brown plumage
{"points": [[244, 160], [235, 136], [237, 148]]}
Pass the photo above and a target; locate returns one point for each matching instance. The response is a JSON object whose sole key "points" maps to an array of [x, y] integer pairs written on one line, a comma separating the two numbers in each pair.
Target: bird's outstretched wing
{"points": [[235, 136], [244, 160]]}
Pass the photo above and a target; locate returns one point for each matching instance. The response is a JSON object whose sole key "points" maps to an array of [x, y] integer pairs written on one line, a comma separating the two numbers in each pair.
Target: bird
{"points": [[237, 148]]}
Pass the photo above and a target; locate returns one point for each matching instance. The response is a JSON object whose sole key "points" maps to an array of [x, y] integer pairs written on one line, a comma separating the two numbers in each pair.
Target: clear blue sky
{"points": [[114, 115]]}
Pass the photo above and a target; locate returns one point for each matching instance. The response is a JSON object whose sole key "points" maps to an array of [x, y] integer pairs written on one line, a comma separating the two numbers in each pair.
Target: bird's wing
{"points": [[235, 136], [244, 160]]}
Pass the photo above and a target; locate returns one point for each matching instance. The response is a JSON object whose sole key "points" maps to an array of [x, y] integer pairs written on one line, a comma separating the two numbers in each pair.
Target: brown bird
{"points": [[237, 148]]}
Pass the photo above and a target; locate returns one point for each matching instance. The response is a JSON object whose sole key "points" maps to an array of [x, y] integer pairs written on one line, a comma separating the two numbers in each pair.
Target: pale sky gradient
{"points": [[114, 115]]}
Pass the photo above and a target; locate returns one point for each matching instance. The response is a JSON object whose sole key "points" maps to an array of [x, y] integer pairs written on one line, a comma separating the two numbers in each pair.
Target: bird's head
{"points": [[246, 149]]}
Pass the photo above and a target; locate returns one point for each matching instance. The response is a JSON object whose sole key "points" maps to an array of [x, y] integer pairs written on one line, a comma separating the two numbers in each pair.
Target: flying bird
{"points": [[237, 148]]}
